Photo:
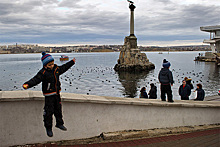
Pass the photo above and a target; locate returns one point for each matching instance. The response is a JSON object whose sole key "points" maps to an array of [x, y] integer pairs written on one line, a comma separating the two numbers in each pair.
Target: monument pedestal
{"points": [[131, 59]]}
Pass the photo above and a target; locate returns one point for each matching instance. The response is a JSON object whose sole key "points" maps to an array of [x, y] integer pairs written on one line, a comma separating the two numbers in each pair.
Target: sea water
{"points": [[93, 73]]}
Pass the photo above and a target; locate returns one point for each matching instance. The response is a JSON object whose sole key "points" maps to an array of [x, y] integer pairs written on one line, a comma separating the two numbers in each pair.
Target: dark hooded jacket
{"points": [[153, 92], [200, 94], [184, 92], [50, 78], [143, 94], [165, 76]]}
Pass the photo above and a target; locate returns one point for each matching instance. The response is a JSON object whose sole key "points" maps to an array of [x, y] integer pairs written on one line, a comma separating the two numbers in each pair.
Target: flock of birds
{"points": [[85, 79], [78, 78]]}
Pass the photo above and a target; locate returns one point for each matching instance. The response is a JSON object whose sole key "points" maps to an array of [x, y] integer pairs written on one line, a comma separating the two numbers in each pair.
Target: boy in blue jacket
{"points": [[51, 87], [166, 80]]}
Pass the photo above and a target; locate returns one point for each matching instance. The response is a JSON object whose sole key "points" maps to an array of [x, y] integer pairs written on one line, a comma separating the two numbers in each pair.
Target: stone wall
{"points": [[88, 116]]}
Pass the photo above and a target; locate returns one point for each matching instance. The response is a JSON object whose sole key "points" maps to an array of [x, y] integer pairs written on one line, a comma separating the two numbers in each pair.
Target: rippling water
{"points": [[93, 73]]}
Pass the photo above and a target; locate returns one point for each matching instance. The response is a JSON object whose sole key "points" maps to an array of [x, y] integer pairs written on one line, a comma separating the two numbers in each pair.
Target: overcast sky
{"points": [[69, 22]]}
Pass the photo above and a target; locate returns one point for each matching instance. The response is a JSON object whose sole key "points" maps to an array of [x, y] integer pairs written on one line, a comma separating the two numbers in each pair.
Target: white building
{"points": [[214, 39]]}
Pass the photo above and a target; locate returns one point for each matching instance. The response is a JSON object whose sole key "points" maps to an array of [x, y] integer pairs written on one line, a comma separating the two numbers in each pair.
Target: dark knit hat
{"points": [[166, 64], [165, 61], [46, 58]]}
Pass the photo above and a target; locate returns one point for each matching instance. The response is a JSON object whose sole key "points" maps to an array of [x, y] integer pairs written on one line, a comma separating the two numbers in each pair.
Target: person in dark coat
{"points": [[143, 93], [184, 91], [200, 93], [153, 91], [51, 87], [166, 80]]}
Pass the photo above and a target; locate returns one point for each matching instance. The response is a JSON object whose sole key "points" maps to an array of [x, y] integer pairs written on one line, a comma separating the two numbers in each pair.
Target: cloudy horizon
{"points": [[70, 22]]}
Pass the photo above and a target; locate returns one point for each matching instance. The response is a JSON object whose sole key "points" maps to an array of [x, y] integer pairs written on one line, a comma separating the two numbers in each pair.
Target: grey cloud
{"points": [[182, 19], [32, 16], [44, 20], [71, 4], [163, 1], [9, 8]]}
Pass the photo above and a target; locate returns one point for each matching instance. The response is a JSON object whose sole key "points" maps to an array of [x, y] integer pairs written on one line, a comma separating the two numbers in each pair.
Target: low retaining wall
{"points": [[87, 116]]}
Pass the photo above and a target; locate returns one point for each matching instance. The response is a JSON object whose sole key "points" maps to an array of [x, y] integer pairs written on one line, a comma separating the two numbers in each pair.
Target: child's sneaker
{"points": [[49, 132], [61, 127]]}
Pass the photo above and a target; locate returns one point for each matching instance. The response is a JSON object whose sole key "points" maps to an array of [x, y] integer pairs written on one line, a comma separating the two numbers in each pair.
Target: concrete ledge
{"points": [[6, 96], [86, 116]]}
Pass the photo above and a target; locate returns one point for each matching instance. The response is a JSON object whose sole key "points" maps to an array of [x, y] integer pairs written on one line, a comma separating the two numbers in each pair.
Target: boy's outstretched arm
{"points": [[34, 81], [63, 68]]}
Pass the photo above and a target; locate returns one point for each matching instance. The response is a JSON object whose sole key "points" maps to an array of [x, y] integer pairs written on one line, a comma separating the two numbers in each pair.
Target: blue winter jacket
{"points": [[165, 76], [50, 78], [184, 92], [200, 95]]}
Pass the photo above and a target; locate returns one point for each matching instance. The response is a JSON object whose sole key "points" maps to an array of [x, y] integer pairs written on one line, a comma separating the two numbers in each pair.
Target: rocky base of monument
{"points": [[134, 68], [131, 59]]}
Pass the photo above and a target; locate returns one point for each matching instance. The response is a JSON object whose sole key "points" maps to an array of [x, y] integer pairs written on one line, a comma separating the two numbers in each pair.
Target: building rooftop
{"points": [[210, 28]]}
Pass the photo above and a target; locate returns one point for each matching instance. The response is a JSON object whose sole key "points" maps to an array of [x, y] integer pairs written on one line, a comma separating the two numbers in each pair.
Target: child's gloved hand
{"points": [[74, 59], [25, 86]]}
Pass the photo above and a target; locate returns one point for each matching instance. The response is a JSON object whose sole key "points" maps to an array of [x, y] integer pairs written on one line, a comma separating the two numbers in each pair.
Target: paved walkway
{"points": [[207, 138]]}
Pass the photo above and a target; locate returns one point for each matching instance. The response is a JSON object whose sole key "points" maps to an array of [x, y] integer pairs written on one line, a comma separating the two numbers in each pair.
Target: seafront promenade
{"points": [[87, 116], [202, 138]]}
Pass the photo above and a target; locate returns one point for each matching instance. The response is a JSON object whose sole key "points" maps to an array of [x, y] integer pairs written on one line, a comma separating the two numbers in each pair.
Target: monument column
{"points": [[130, 58], [132, 7]]}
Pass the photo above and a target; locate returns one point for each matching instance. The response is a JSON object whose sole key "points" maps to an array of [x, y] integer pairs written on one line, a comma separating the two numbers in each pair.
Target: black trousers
{"points": [[52, 106], [166, 89], [184, 98]]}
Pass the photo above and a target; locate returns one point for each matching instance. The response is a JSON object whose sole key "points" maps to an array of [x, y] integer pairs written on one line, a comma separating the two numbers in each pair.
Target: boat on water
{"points": [[64, 58], [160, 53]]}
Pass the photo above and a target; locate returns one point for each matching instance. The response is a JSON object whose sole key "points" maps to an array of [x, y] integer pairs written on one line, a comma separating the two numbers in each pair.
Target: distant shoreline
{"points": [[104, 52], [23, 49]]}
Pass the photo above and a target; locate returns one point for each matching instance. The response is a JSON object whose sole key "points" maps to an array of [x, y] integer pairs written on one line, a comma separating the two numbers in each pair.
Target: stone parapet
{"points": [[27, 95], [89, 115]]}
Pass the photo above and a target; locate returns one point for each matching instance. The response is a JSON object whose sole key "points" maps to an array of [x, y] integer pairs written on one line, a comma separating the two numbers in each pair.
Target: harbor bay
{"points": [[93, 73]]}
